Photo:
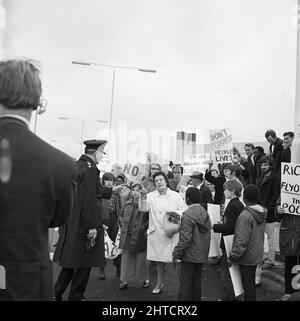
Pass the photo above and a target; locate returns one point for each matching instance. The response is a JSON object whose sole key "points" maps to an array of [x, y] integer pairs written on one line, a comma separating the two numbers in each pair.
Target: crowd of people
{"points": [[162, 219]]}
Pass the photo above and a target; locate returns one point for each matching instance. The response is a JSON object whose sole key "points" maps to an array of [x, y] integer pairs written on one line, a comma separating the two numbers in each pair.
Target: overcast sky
{"points": [[220, 64]]}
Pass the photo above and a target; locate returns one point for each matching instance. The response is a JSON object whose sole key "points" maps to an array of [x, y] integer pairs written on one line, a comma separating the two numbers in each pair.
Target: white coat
{"points": [[159, 246]]}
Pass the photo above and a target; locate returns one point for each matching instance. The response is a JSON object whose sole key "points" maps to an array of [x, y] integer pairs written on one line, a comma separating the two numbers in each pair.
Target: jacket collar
{"points": [[235, 199], [88, 159], [268, 178], [15, 119]]}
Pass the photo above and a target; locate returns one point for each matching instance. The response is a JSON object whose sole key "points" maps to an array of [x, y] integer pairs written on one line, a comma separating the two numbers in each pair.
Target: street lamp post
{"points": [[83, 63], [82, 125]]}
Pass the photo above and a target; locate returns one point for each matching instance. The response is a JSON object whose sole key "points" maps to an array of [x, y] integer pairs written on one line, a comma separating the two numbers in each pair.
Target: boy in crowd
{"points": [[193, 246], [232, 192], [248, 243]]}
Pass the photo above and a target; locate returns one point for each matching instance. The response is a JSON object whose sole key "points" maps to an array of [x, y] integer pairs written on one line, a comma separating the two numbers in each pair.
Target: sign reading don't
{"points": [[221, 145]]}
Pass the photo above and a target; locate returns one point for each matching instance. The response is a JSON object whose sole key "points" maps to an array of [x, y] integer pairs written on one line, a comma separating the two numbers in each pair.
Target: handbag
{"points": [[169, 227]]}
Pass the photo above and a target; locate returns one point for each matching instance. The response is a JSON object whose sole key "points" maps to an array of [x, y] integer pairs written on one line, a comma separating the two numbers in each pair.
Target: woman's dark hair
{"points": [[161, 174], [108, 176], [193, 195]]}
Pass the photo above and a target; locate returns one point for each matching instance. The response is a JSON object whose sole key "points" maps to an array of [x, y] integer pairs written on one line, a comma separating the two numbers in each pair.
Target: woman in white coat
{"points": [[161, 202]]}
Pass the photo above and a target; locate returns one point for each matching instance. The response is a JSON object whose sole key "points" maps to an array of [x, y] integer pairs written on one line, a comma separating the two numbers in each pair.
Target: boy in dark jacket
{"points": [[193, 246], [248, 243], [232, 191]]}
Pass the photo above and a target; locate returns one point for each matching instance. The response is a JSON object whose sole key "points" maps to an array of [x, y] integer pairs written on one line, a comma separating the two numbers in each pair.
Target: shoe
{"points": [[123, 285], [258, 284], [146, 284], [157, 291], [83, 299], [286, 297], [101, 275], [267, 266]]}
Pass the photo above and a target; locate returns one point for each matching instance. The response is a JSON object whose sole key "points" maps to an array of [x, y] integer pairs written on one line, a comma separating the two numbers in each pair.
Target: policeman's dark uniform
{"points": [[71, 251]]}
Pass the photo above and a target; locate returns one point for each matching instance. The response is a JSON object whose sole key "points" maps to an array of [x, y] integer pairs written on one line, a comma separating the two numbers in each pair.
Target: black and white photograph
{"points": [[149, 154]]}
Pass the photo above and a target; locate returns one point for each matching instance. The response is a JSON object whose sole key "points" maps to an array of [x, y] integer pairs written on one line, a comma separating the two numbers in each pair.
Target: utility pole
{"points": [[296, 143]]}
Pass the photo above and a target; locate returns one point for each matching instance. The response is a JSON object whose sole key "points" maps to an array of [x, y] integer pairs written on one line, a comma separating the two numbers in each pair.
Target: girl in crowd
{"points": [[111, 214], [134, 224], [161, 204]]}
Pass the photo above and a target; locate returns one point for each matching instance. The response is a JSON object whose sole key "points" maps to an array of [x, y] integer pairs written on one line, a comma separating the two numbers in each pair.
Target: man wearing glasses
{"points": [[148, 181], [174, 183]]}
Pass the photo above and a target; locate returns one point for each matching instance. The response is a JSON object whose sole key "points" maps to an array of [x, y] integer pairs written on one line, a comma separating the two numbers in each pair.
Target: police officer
{"points": [[81, 241]]}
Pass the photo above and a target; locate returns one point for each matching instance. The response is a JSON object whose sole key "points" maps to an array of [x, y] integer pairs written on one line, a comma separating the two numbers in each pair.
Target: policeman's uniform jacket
{"points": [[71, 251], [37, 196]]}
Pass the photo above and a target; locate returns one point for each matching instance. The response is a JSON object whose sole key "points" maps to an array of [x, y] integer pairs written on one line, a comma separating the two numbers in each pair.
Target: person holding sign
{"points": [[111, 216], [232, 192], [133, 241], [193, 246], [162, 205], [248, 242]]}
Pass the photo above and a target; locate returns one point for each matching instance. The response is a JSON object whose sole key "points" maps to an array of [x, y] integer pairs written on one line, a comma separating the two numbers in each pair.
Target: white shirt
{"points": [[199, 186], [23, 119]]}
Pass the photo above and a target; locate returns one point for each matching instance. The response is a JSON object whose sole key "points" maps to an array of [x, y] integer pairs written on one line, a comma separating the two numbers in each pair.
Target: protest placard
{"points": [[2, 277], [221, 145], [195, 162], [213, 211], [111, 249], [234, 270], [290, 188], [135, 172]]}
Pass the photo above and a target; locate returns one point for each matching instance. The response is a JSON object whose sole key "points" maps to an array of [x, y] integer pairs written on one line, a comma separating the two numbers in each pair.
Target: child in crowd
{"points": [[193, 246], [133, 241], [248, 243], [232, 191]]}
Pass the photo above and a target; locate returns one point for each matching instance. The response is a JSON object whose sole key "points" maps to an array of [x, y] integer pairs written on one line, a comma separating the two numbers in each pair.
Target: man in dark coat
{"points": [[259, 153], [36, 191], [251, 165], [276, 148], [75, 250], [198, 182], [288, 138], [269, 185]]}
